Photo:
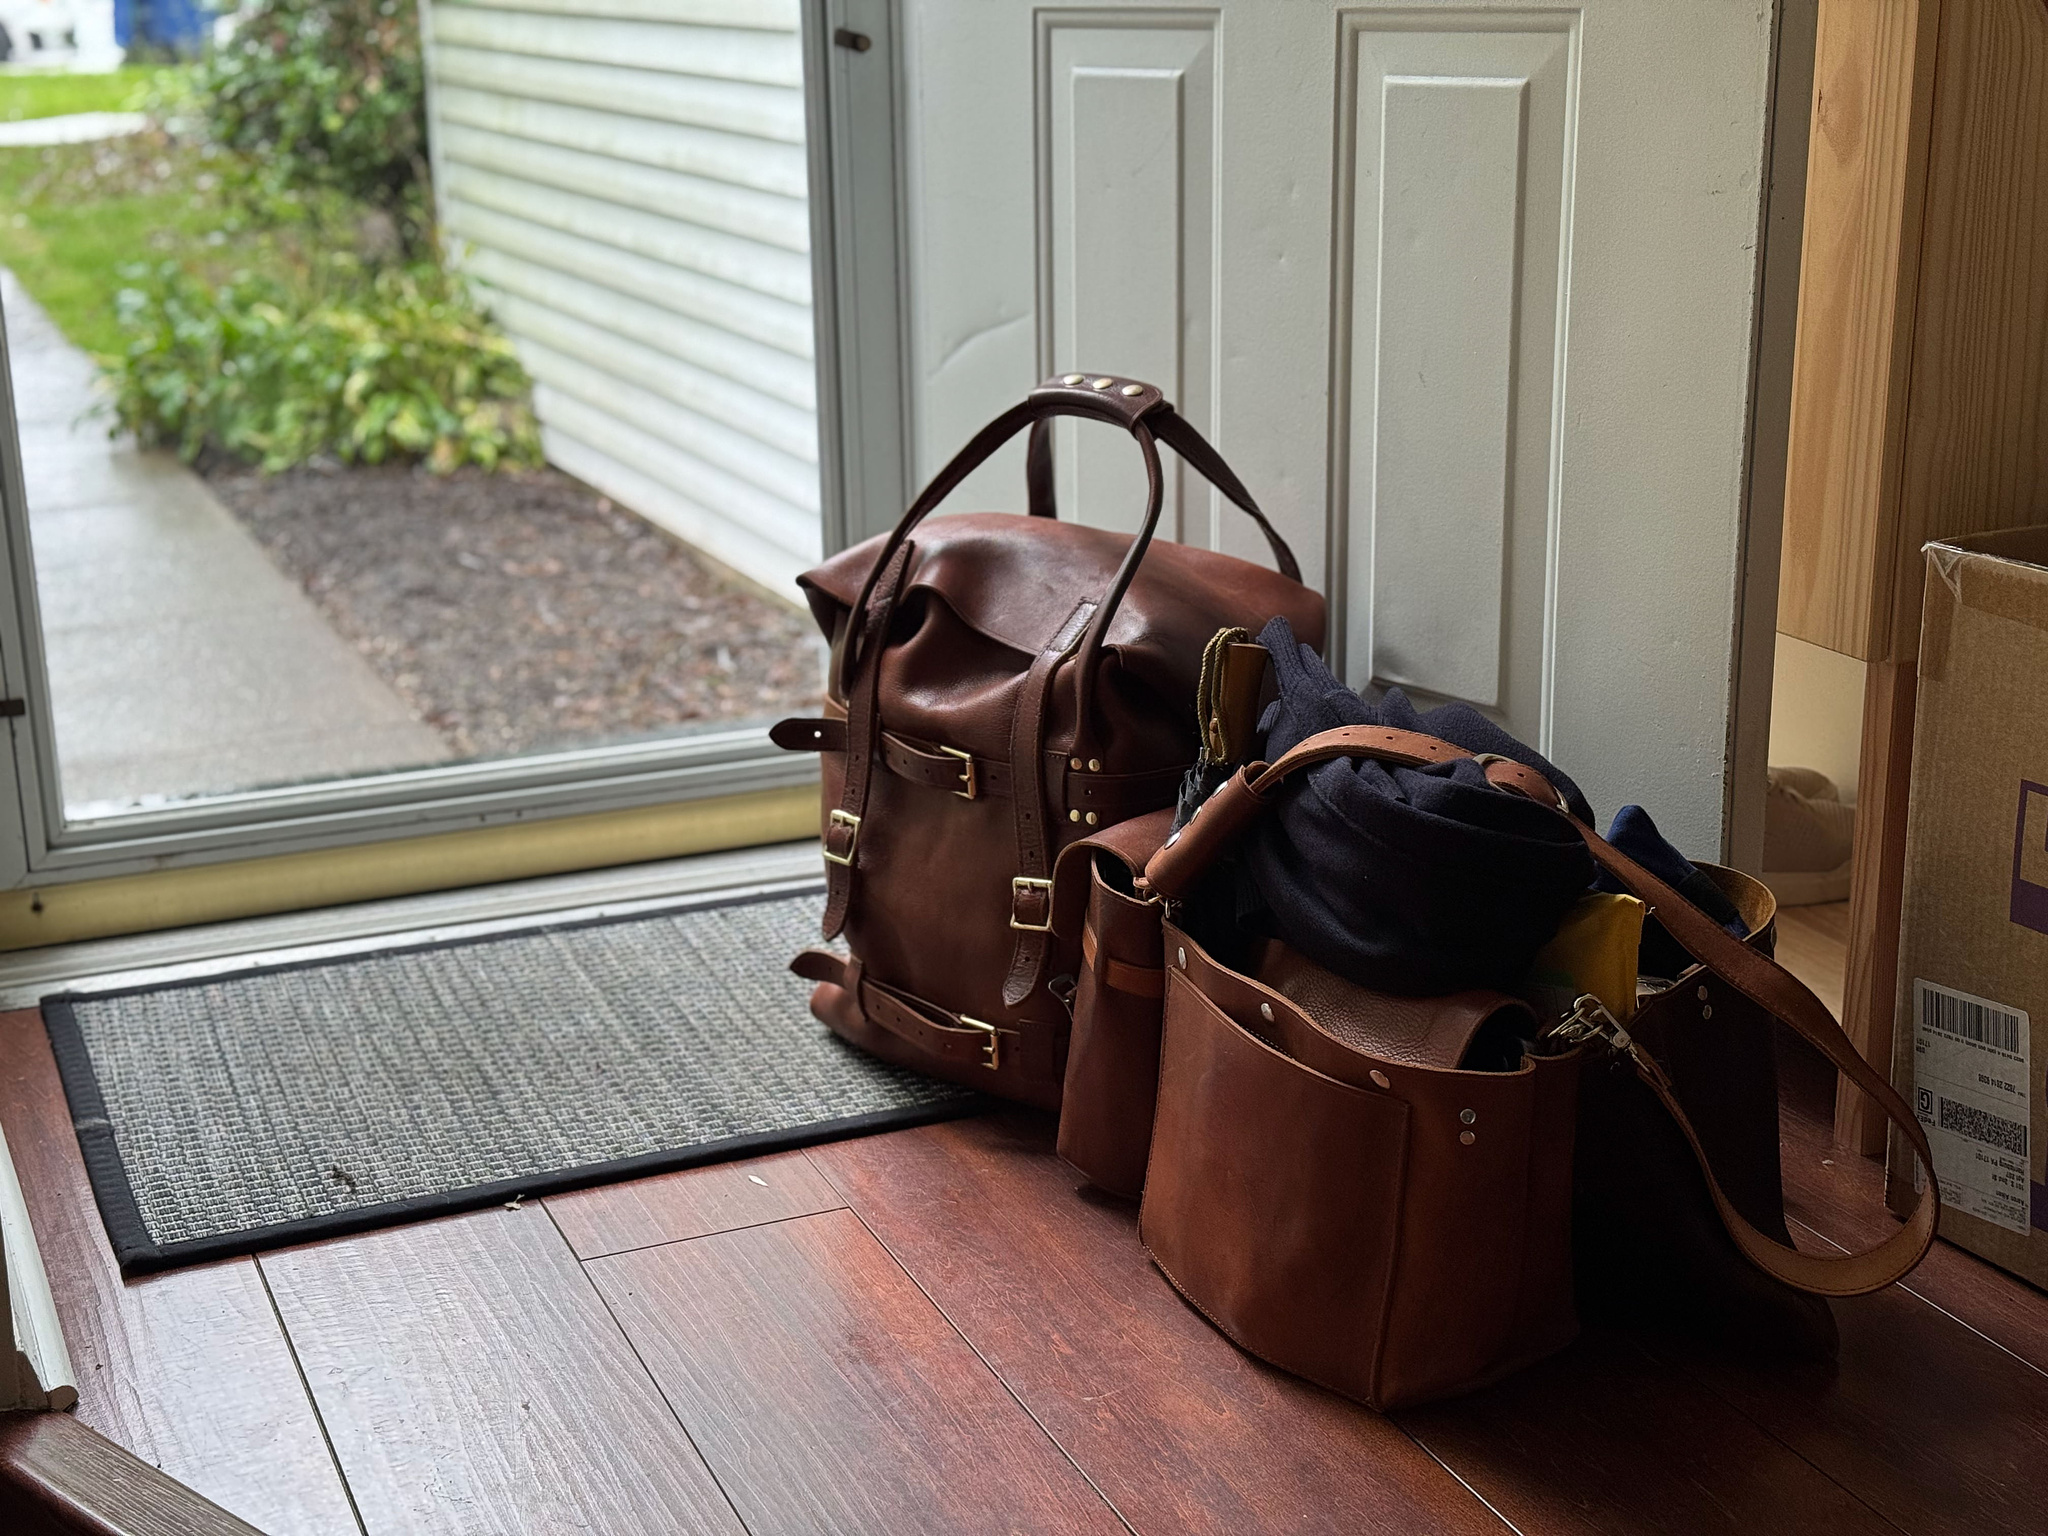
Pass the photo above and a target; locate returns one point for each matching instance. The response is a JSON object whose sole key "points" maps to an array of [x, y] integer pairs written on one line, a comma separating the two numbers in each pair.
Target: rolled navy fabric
{"points": [[1412, 880]]}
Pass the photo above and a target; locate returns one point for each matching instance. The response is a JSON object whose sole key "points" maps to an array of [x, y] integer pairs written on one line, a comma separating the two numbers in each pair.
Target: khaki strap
{"points": [[1221, 819]]}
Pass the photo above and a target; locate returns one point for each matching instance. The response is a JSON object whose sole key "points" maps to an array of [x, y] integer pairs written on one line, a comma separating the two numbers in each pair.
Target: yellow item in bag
{"points": [[1594, 951]]}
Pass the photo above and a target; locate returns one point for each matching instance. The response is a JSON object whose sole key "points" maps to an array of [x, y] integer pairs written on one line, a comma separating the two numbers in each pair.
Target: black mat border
{"points": [[137, 1254]]}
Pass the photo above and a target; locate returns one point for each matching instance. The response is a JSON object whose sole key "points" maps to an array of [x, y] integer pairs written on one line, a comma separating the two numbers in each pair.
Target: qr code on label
{"points": [[1988, 1129], [1972, 1064]]}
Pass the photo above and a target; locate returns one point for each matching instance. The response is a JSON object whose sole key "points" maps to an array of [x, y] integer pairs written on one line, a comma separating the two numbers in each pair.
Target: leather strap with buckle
{"points": [[1111, 797], [1031, 904], [863, 725], [842, 838], [950, 1037]]}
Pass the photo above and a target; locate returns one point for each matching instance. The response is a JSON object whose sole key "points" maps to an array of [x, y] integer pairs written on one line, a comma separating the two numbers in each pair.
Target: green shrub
{"points": [[326, 96], [359, 366]]}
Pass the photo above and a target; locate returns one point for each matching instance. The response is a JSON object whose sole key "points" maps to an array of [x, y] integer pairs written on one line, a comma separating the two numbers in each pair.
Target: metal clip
{"points": [[991, 1046], [967, 778], [1590, 1019], [1022, 884], [852, 823]]}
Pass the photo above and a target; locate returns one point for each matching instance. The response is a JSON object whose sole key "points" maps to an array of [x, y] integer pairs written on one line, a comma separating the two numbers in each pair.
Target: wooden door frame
{"points": [[1907, 423]]}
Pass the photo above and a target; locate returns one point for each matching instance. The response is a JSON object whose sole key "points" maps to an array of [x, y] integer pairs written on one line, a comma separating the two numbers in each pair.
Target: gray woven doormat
{"points": [[224, 1115]]}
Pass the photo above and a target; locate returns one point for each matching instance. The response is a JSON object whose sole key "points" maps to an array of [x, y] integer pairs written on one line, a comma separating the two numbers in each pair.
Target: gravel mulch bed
{"points": [[522, 611]]}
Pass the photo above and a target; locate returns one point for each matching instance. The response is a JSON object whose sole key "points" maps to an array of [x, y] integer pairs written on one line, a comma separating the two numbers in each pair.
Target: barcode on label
{"points": [[1989, 1129], [1968, 1020]]}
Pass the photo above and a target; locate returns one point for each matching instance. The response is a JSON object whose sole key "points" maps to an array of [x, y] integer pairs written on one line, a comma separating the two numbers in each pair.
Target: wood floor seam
{"points": [[1484, 1502], [312, 1402], [694, 1237], [1907, 1286], [653, 1380], [987, 1364], [1793, 1450], [1771, 1434]]}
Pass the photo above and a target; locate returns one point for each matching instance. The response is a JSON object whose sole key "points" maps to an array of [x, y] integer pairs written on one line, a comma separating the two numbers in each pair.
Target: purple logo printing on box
{"points": [[2030, 903]]}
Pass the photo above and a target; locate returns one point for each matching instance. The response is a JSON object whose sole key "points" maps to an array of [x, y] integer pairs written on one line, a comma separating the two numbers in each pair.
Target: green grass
{"points": [[71, 217], [37, 94]]}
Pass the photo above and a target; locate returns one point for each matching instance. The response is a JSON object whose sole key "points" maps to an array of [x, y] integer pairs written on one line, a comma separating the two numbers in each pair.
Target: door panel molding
{"points": [[1127, 126], [1454, 194]]}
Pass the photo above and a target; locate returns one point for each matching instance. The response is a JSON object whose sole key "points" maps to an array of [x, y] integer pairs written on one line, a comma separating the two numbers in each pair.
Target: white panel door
{"points": [[1466, 293]]}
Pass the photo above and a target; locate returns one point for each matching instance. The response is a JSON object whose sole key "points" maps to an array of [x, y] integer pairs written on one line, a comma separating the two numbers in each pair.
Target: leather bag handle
{"points": [[1143, 411], [1225, 815], [1179, 434]]}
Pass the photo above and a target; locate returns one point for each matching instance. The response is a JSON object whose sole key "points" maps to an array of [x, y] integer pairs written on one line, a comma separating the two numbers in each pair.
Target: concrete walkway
{"points": [[70, 128], [181, 661]]}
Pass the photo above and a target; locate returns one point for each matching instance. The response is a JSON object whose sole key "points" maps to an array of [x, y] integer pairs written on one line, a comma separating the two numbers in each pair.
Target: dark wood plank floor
{"points": [[937, 1330]]}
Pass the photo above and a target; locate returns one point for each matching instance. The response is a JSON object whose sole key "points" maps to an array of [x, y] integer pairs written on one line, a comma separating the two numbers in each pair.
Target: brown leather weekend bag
{"points": [[1001, 687], [1329, 1188]]}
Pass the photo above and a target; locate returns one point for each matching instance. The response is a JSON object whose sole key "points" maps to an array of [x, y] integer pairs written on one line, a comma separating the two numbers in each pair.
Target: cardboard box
{"points": [[1970, 1042]]}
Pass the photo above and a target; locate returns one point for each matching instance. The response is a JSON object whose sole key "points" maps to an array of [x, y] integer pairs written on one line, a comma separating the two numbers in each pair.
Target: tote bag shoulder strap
{"points": [[1223, 818]]}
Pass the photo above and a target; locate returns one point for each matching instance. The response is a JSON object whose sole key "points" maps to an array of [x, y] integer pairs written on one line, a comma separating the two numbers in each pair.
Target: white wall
{"points": [[1817, 711], [627, 179]]}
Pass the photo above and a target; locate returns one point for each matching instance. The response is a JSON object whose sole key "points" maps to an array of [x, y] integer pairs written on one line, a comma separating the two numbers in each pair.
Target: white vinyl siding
{"points": [[627, 181]]}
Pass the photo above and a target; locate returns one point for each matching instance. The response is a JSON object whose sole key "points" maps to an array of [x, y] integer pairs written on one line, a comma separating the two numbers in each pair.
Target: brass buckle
{"points": [[991, 1045], [1018, 887], [842, 819], [967, 778]]}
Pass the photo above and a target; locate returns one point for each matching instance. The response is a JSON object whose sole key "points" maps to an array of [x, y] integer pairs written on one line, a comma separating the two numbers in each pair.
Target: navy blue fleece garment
{"points": [[1637, 836], [1412, 880]]}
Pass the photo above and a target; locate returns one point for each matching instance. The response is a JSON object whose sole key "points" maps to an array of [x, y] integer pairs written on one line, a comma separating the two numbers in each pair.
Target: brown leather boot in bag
{"points": [[1002, 687], [1333, 1187]]}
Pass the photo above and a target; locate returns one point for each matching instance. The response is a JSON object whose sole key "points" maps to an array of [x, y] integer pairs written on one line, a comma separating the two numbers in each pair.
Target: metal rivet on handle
{"points": [[1074, 763], [1073, 378], [1182, 956], [1704, 994], [1467, 1116], [1468, 1137], [1380, 1078], [1095, 765], [1133, 389], [1104, 383], [1091, 818], [1706, 1010], [1073, 815], [1266, 1012]]}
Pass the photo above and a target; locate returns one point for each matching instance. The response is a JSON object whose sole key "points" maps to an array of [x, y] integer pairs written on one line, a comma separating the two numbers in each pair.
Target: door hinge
{"points": [[11, 709]]}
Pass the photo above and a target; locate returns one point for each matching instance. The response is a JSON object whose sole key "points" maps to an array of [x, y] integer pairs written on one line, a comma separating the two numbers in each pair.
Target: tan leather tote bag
{"points": [[1331, 1190], [1001, 687]]}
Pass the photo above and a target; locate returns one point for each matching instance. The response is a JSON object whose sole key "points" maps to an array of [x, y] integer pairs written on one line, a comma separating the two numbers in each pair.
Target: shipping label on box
{"points": [[1970, 1076]]}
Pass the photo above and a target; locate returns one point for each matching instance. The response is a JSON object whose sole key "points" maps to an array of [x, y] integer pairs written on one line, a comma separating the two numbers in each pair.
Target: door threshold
{"points": [[27, 976]]}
